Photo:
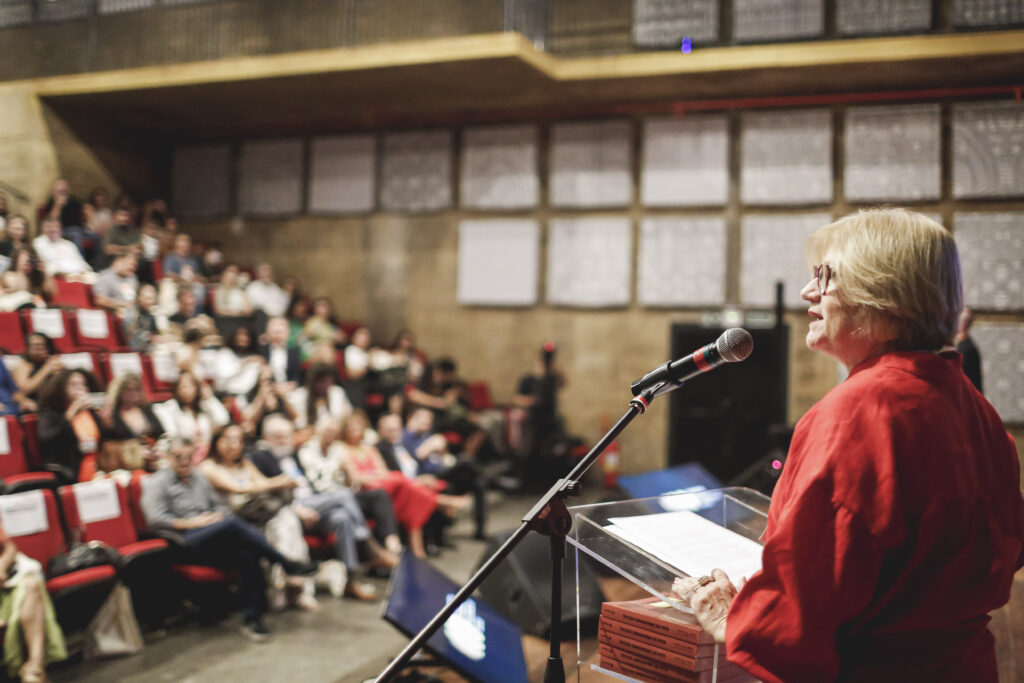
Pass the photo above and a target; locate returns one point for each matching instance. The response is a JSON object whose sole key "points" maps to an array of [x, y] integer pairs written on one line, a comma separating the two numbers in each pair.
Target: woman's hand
{"points": [[78, 405], [710, 602]]}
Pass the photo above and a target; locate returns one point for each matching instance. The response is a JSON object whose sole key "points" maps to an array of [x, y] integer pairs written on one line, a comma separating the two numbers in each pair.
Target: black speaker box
{"points": [[520, 587]]}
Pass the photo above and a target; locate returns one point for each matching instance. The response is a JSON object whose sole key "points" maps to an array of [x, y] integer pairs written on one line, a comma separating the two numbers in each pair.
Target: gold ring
{"points": [[704, 580]]}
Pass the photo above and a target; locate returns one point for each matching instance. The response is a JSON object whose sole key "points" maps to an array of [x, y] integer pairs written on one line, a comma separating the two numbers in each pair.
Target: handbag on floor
{"points": [[113, 631]]}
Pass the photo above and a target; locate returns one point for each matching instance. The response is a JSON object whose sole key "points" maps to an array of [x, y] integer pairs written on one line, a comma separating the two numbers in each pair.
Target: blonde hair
{"points": [[900, 269]]}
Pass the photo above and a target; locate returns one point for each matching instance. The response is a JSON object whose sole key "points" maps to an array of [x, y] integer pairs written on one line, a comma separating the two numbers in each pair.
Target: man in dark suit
{"points": [[283, 358]]}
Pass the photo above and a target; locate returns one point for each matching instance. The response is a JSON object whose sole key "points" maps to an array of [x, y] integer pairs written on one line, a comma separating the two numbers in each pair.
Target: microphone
{"points": [[734, 345]]}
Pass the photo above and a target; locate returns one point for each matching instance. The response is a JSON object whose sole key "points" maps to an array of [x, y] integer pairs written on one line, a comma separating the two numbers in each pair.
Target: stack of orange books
{"points": [[650, 640]]}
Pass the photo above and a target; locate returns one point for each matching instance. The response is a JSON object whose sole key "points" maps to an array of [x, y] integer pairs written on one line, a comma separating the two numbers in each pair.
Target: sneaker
{"points": [[333, 577], [255, 630]]}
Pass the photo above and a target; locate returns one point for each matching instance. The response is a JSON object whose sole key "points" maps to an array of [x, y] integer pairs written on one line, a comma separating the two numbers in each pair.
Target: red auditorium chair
{"points": [[33, 521], [117, 364], [96, 330], [158, 374], [30, 430], [99, 511], [83, 360], [14, 469], [12, 333], [72, 294], [479, 396], [54, 324], [208, 584]]}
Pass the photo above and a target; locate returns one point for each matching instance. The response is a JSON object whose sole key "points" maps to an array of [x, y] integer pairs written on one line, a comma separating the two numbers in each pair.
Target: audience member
{"points": [[265, 503], [229, 297], [66, 209], [322, 333], [60, 256], [298, 314], [414, 503], [357, 366], [98, 216], [265, 295], [144, 326], [33, 638], [283, 357], [193, 412], [180, 264], [267, 398], [124, 459], [131, 416], [14, 292], [10, 396], [123, 237], [14, 235], [31, 278], [416, 448], [116, 287], [181, 499], [321, 398], [187, 307], [447, 396], [69, 424], [39, 363], [336, 509], [238, 364]]}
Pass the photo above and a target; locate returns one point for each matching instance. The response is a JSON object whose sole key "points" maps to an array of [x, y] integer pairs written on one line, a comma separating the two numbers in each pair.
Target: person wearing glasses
{"points": [[897, 524]]}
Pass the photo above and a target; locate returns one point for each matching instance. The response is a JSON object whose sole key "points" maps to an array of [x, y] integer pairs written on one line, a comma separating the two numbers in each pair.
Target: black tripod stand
{"points": [[550, 517]]}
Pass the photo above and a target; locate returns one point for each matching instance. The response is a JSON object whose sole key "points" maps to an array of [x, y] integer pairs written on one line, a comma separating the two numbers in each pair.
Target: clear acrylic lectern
{"points": [[601, 535]]}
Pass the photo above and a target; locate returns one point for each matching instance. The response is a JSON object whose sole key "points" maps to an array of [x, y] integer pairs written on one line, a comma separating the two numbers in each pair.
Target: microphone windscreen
{"points": [[735, 345]]}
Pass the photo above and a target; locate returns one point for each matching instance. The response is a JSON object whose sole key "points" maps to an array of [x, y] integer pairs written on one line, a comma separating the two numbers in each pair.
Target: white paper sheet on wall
{"points": [[498, 262], [685, 161], [93, 324], [873, 17], [663, 23], [787, 157], [97, 500], [987, 141], [416, 171], [201, 180], [682, 261], [991, 249], [892, 152], [589, 262], [591, 164], [343, 174], [499, 167], [1001, 347], [124, 363], [773, 250], [49, 321], [23, 513], [270, 177], [777, 19]]}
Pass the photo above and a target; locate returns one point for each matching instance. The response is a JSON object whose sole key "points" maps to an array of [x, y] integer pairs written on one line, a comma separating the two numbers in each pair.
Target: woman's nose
{"points": [[810, 291]]}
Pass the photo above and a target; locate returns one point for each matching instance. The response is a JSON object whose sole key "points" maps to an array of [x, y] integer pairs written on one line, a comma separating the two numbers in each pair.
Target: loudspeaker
{"points": [[520, 587], [722, 419]]}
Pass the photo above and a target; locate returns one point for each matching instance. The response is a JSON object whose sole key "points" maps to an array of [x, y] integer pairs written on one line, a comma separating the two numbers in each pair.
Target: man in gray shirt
{"points": [[115, 287], [181, 499]]}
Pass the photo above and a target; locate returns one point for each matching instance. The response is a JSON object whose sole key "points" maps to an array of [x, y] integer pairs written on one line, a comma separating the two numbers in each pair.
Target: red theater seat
{"points": [[72, 294], [54, 324], [12, 333], [96, 330]]}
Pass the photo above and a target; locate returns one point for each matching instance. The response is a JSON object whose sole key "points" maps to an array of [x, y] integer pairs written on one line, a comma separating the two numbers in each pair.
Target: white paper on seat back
{"points": [[23, 513], [97, 500]]}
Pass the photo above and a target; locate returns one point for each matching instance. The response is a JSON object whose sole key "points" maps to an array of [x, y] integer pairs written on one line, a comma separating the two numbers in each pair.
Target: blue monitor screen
{"points": [[476, 640], [688, 478]]}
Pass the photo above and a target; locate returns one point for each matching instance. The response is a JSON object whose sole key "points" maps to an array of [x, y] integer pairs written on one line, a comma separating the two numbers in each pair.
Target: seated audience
{"points": [[116, 287], [193, 413], [229, 297], [98, 215], [357, 366], [322, 333], [414, 503], [123, 237], [14, 235], [336, 509], [417, 449], [131, 417], [407, 364], [144, 326], [265, 503], [265, 295], [33, 638], [267, 398], [180, 264], [25, 275], [59, 256], [448, 397], [181, 499], [69, 424], [283, 357], [238, 364], [320, 399], [66, 210], [38, 364], [298, 314], [11, 398], [188, 308]]}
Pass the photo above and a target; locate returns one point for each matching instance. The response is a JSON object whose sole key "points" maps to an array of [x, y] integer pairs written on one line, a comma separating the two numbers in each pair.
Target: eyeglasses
{"points": [[822, 273]]}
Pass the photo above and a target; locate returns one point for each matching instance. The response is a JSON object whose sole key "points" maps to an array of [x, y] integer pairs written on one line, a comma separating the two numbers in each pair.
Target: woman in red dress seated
{"points": [[413, 502]]}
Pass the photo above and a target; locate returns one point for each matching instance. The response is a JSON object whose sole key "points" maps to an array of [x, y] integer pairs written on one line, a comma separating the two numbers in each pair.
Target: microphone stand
{"points": [[549, 516]]}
